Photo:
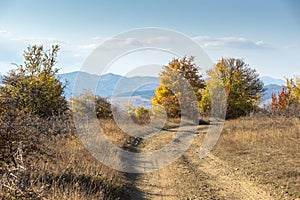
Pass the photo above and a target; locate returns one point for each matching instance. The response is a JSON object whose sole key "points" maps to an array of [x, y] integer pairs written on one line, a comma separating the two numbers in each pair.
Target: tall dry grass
{"points": [[57, 166], [266, 149]]}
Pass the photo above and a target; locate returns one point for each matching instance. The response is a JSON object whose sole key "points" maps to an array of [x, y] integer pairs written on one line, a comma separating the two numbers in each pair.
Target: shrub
{"points": [[139, 115], [90, 103], [21, 141], [33, 88]]}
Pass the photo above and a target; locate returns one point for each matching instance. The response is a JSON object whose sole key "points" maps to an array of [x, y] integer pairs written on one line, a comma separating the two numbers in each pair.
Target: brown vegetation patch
{"points": [[267, 150]]}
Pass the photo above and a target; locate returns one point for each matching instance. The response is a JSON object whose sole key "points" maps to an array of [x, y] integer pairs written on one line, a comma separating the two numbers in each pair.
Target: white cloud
{"points": [[8, 36], [38, 40], [87, 47], [157, 40], [3, 31], [121, 43], [291, 46], [131, 42], [136, 43], [4, 34], [73, 53], [230, 42], [97, 38], [260, 43]]}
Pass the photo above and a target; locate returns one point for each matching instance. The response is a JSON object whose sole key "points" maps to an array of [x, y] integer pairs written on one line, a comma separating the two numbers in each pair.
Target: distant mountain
{"points": [[109, 85], [139, 88], [269, 90], [145, 94], [267, 80], [271, 86]]}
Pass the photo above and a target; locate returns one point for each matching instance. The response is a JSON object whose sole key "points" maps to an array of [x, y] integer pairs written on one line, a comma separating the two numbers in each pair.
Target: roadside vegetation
{"points": [[266, 149], [42, 156]]}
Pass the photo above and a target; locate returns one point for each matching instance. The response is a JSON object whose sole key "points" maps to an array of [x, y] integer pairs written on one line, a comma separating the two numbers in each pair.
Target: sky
{"points": [[263, 33]]}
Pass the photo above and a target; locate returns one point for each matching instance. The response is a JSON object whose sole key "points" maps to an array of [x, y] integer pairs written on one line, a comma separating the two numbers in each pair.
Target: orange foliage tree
{"points": [[171, 77], [288, 98]]}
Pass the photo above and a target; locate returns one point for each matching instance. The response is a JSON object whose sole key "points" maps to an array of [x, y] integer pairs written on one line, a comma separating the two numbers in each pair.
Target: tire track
{"points": [[192, 178]]}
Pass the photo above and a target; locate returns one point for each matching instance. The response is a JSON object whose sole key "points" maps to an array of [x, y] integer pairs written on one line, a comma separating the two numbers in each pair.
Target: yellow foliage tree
{"points": [[294, 84], [172, 76], [242, 85], [288, 99]]}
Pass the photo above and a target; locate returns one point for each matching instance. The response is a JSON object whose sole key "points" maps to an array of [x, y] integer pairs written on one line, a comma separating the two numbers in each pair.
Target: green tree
{"points": [[242, 85], [34, 88], [90, 103], [172, 77]]}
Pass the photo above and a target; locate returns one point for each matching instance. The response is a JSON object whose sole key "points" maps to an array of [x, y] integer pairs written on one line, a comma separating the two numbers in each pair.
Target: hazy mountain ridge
{"points": [[108, 82], [272, 81], [109, 85], [271, 86]]}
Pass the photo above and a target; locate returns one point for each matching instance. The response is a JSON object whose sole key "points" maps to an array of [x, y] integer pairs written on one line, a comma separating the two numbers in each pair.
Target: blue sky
{"points": [[264, 33]]}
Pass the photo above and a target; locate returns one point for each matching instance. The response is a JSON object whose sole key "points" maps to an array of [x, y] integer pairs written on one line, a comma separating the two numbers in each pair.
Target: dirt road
{"points": [[190, 177]]}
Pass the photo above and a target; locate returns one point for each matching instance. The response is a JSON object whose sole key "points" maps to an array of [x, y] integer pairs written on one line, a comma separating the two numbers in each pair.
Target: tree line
{"points": [[34, 88]]}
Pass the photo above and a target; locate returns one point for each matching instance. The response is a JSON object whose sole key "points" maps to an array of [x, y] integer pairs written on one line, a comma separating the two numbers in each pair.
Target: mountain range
{"points": [[272, 81], [140, 89], [108, 85]]}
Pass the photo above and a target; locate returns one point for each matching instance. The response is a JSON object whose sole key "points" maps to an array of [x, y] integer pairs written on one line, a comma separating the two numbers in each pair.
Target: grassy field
{"points": [[265, 149], [68, 171]]}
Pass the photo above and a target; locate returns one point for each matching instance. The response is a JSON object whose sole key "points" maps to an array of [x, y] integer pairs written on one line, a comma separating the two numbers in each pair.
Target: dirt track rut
{"points": [[190, 177]]}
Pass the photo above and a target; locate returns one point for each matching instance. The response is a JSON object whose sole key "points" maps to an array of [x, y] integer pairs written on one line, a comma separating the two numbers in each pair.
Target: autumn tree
{"points": [[90, 103], [288, 100], [282, 101], [294, 85], [139, 115], [172, 78], [242, 84], [33, 87]]}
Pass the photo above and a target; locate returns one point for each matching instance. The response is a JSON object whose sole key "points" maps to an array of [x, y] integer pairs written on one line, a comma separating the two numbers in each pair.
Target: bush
{"points": [[89, 103], [139, 115], [103, 108], [33, 88], [142, 115], [21, 137]]}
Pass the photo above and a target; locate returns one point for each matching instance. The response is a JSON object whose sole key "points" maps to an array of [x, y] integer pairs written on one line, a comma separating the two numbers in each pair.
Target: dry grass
{"points": [[73, 173], [267, 150], [68, 172]]}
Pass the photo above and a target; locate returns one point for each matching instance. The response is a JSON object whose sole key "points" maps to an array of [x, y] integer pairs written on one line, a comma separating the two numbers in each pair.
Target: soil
{"points": [[190, 177]]}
